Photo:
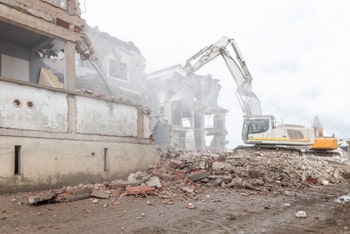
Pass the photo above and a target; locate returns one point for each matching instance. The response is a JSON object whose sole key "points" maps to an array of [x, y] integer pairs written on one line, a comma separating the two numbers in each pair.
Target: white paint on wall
{"points": [[15, 68], [49, 111], [105, 118]]}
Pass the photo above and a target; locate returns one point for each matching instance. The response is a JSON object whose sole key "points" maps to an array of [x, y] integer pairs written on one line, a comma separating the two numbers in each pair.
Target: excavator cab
{"points": [[257, 128], [263, 130]]}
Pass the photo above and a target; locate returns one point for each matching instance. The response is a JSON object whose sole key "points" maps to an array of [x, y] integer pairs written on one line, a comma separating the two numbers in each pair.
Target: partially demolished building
{"points": [[50, 133], [185, 112], [73, 101]]}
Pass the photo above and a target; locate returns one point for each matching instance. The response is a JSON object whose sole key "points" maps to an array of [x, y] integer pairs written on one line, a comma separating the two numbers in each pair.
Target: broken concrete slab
{"points": [[100, 194], [187, 189], [82, 191], [154, 181], [78, 197], [42, 199], [221, 165], [198, 175]]}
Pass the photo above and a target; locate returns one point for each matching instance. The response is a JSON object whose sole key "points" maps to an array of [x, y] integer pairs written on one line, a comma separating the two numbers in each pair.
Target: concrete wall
{"points": [[106, 118], [49, 110], [52, 163], [67, 138]]}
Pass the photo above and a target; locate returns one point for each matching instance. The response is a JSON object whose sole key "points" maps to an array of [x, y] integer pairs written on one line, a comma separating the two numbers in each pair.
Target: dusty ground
{"points": [[217, 210], [241, 192]]}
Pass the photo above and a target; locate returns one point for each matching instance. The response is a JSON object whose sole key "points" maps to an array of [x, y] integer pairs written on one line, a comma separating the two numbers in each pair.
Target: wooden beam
{"points": [[21, 19]]}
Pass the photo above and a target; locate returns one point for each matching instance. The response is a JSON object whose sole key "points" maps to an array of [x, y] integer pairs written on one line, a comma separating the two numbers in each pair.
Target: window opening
{"points": [[17, 159], [105, 159]]}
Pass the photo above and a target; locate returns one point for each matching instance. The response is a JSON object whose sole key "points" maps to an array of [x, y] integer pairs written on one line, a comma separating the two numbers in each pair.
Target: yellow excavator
{"points": [[258, 129]]}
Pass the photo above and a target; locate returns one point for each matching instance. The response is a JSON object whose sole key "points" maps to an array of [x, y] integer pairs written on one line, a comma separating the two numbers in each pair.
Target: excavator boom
{"points": [[248, 100]]}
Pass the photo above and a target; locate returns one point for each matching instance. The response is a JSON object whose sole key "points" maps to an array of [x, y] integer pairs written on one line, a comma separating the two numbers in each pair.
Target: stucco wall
{"points": [[48, 113], [107, 118]]}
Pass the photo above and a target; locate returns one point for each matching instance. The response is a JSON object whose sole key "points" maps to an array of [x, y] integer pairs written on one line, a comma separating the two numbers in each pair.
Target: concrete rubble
{"points": [[186, 174]]}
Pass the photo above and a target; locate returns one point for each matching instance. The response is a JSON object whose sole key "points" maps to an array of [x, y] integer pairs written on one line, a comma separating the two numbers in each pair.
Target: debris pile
{"points": [[188, 174]]}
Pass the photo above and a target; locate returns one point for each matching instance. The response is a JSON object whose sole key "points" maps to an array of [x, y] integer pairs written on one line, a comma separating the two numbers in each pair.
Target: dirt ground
{"points": [[214, 210], [241, 191]]}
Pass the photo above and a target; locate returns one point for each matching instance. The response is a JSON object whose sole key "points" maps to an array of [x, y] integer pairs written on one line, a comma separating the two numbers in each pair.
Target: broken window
{"points": [[118, 70], [209, 121], [208, 140], [186, 122]]}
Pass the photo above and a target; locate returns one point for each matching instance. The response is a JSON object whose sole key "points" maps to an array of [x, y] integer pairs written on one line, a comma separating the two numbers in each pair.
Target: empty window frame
{"points": [[209, 121], [118, 70]]}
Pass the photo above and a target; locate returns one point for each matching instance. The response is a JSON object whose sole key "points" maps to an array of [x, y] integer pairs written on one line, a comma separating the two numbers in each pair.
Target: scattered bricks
{"points": [[176, 163], [157, 173], [167, 177], [178, 174], [311, 180], [198, 175], [142, 189], [100, 194], [114, 192], [63, 197]]}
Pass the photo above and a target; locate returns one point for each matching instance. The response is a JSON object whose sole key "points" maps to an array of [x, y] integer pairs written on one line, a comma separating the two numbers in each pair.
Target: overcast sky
{"points": [[297, 51]]}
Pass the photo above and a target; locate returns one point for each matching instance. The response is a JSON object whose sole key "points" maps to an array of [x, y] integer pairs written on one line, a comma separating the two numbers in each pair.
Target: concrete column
{"points": [[140, 123], [72, 114], [69, 73]]}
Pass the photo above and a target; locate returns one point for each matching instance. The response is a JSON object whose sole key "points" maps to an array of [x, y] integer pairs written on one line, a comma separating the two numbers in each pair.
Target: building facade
{"points": [[51, 132]]}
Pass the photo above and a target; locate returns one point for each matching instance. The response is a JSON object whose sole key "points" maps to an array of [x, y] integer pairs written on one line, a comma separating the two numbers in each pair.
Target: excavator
{"points": [[258, 129]]}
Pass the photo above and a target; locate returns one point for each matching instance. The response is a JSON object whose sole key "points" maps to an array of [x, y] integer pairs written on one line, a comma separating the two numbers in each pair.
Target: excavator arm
{"points": [[257, 129], [248, 100]]}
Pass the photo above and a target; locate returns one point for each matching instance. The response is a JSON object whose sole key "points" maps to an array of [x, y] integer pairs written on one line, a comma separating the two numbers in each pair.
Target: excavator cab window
{"points": [[258, 126]]}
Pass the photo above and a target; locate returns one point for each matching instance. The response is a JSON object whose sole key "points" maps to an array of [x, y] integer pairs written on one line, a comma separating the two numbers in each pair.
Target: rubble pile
{"points": [[187, 174], [259, 170]]}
